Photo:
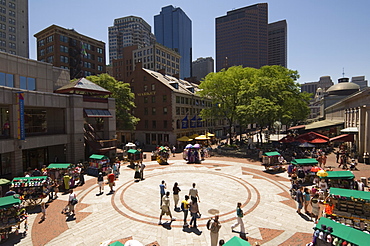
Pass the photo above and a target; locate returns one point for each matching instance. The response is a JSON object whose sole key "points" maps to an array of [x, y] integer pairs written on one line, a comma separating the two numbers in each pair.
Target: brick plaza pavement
{"points": [[132, 212]]}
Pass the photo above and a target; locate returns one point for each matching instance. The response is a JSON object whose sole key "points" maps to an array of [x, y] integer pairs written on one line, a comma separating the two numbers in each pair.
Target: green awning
{"points": [[116, 243], [339, 175], [98, 157], [272, 153], [356, 194], [306, 161], [9, 201], [133, 151], [59, 165], [344, 232], [27, 179], [237, 241]]}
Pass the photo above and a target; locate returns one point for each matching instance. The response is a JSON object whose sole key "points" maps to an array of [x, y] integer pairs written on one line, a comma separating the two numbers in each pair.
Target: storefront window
{"points": [[5, 164], [4, 123], [35, 121]]}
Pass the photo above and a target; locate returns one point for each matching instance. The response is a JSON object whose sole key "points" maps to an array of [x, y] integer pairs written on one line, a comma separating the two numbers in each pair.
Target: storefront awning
{"points": [[322, 124], [98, 113], [274, 153], [305, 161], [59, 165], [339, 175], [342, 138], [350, 130]]}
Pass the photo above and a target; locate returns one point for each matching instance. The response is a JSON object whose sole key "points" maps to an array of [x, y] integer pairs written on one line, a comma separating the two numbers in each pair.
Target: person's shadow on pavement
{"points": [[167, 225], [194, 230]]}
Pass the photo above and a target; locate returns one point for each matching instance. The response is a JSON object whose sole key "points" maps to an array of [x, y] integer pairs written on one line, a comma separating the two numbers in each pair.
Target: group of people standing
{"points": [[191, 204]]}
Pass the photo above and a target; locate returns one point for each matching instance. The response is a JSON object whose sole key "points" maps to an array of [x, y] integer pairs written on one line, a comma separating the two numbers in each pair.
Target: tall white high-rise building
{"points": [[14, 27], [128, 31]]}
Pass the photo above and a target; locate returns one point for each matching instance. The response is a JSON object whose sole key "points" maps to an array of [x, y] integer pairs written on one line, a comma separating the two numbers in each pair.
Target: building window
{"points": [[35, 120], [145, 111], [49, 39], [153, 87], [64, 59], [177, 110], [6, 79], [63, 39], [145, 99], [154, 124], [99, 50], [27, 83], [145, 88], [153, 111], [63, 49], [50, 59], [49, 49], [165, 110], [100, 59], [146, 124], [100, 68], [164, 98], [165, 124], [153, 99], [177, 99]]}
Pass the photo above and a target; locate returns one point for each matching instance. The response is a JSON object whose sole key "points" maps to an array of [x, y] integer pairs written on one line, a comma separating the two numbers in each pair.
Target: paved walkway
{"points": [[132, 212]]}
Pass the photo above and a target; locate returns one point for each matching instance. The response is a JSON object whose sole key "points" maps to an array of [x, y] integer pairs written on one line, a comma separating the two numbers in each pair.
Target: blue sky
{"points": [[324, 36]]}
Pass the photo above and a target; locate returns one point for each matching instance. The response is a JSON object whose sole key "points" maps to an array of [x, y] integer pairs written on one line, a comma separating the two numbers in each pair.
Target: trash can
{"points": [[366, 158]]}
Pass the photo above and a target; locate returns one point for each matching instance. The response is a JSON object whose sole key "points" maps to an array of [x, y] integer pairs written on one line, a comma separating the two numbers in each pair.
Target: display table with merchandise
{"points": [[32, 190]]}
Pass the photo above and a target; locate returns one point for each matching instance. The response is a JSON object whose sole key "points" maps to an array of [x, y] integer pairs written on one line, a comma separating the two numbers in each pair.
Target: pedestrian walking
{"points": [[142, 167], [165, 208], [56, 189], [176, 189], [194, 212], [307, 198], [299, 199], [173, 151], [100, 181], [43, 211], [162, 190], [193, 193], [72, 201], [239, 217], [185, 208], [111, 182], [214, 228]]}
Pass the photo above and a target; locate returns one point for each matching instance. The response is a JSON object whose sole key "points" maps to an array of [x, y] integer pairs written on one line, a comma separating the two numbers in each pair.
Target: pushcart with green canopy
{"points": [[305, 162], [340, 179], [306, 165], [134, 156], [57, 170], [32, 190], [97, 163], [12, 214], [271, 162], [352, 205], [341, 232], [237, 241]]}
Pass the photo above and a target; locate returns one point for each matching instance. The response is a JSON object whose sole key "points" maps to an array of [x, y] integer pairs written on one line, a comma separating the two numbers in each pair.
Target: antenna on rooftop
{"points": [[343, 73]]}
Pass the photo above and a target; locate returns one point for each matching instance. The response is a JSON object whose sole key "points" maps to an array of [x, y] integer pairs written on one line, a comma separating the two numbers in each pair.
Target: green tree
{"points": [[223, 89], [124, 99]]}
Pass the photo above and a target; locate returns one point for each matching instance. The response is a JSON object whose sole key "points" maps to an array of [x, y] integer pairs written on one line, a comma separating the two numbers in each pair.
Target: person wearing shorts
{"points": [[101, 183]]}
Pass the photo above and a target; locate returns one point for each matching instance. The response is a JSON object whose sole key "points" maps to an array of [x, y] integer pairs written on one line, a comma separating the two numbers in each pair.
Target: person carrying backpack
{"points": [[185, 208], [214, 226]]}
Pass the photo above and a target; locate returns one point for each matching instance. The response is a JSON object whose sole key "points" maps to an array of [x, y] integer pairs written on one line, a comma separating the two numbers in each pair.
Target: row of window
{"points": [[11, 28], [154, 111], [25, 83], [153, 100], [154, 124], [190, 101], [156, 139]]}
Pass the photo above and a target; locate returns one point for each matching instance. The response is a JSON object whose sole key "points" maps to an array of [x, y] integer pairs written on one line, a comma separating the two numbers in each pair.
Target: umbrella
{"points": [[322, 173], [130, 145], [4, 181], [306, 145], [315, 169], [202, 137], [184, 139], [237, 241], [210, 134], [197, 146], [188, 146], [194, 136], [116, 243]]}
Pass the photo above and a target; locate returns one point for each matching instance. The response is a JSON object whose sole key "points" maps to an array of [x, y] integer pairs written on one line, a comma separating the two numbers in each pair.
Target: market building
{"points": [[168, 108], [41, 125]]}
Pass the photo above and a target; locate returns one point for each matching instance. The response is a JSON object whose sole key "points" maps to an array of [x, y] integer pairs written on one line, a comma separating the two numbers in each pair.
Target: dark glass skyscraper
{"points": [[172, 28]]}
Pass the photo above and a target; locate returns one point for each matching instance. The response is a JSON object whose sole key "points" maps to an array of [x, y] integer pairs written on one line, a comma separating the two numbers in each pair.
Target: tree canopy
{"points": [[124, 99], [261, 96]]}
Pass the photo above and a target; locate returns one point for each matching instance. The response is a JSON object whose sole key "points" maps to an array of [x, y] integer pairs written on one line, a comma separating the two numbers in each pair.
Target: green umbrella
{"points": [[237, 241], [4, 181], [116, 243]]}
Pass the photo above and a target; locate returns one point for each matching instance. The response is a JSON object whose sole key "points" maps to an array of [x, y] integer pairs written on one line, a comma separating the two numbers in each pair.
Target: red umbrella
{"points": [[315, 169]]}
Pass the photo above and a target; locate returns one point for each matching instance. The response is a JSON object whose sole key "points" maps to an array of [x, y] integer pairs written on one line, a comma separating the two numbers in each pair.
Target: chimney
{"points": [[162, 71], [176, 75], [139, 65]]}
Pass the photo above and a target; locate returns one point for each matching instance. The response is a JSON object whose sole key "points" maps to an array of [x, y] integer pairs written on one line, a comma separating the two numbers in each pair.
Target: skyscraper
{"points": [[202, 67], [244, 37], [172, 28], [277, 42], [14, 27], [128, 31]]}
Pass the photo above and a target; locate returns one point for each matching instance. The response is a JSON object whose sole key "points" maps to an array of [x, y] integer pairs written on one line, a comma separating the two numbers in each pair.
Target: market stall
{"points": [[237, 241], [340, 179], [97, 163], [162, 154], [303, 169], [271, 162], [329, 232], [57, 170], [351, 207], [134, 156], [191, 153], [31, 189], [12, 214]]}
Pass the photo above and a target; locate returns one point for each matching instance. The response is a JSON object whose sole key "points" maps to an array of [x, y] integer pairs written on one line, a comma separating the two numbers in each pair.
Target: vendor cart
{"points": [[162, 154], [303, 169], [340, 179], [271, 163], [97, 163], [57, 170], [32, 190], [135, 157], [12, 214], [332, 231], [191, 153]]}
